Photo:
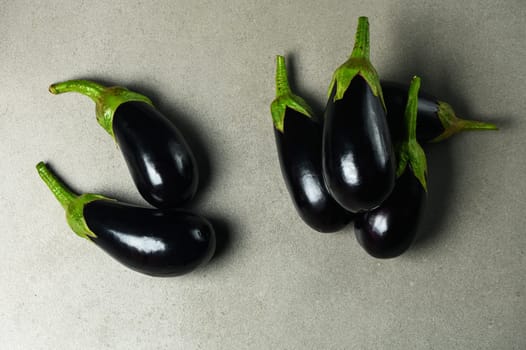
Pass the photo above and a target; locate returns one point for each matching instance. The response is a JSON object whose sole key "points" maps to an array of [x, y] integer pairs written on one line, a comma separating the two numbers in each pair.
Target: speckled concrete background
{"points": [[276, 284]]}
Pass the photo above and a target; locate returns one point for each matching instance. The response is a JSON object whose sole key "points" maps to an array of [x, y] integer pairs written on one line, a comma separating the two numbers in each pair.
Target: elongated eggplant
{"points": [[151, 241], [437, 120], [298, 140], [389, 230], [358, 157], [161, 164]]}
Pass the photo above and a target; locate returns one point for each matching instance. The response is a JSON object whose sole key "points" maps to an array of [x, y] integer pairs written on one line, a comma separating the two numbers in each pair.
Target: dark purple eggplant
{"points": [[155, 242], [436, 119], [298, 140], [160, 161], [389, 230], [358, 157]]}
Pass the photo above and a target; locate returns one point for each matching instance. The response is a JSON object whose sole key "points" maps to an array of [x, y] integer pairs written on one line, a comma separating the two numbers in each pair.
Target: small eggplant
{"points": [[389, 230], [436, 119], [161, 164], [298, 140], [358, 157], [151, 241]]}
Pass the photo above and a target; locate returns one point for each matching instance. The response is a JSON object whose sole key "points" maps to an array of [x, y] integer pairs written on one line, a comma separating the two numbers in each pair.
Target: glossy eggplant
{"points": [[298, 140], [160, 161], [151, 241], [358, 157], [389, 230], [436, 119]]}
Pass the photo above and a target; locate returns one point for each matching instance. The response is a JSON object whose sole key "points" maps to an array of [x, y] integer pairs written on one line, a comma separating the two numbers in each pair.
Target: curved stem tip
{"points": [[62, 192], [85, 87]]}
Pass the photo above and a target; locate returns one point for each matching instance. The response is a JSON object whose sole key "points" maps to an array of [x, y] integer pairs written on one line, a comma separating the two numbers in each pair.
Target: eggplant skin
{"points": [[428, 125], [151, 241], [299, 151], [389, 230], [358, 157], [161, 164]]}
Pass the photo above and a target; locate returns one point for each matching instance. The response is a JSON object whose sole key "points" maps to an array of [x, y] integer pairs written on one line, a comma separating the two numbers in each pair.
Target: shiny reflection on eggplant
{"points": [[178, 154], [143, 244], [312, 187], [380, 224], [153, 173], [198, 235], [349, 171]]}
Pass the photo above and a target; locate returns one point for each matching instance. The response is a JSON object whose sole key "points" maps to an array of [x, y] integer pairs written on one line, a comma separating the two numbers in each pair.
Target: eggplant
{"points": [[161, 163], [358, 156], [437, 120], [156, 242], [299, 141], [389, 230]]}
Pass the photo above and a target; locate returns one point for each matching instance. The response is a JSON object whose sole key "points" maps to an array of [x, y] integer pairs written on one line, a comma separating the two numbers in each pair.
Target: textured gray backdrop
{"points": [[276, 284]]}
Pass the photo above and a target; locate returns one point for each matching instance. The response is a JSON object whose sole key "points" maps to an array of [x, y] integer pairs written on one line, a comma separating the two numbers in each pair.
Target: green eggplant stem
{"points": [[410, 154], [453, 124], [282, 80], [412, 109], [361, 44], [357, 64], [285, 98], [107, 99], [63, 193], [85, 87], [72, 203], [473, 125]]}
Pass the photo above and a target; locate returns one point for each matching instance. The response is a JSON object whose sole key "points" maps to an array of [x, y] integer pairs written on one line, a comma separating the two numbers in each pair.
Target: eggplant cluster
{"points": [[362, 161], [163, 240]]}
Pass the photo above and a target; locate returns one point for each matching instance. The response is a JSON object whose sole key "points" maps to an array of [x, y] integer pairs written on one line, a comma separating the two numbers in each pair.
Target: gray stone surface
{"points": [[277, 284]]}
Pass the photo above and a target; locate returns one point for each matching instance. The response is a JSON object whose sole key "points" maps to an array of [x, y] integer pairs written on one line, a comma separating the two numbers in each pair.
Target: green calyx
{"points": [[72, 203], [75, 215], [107, 99], [453, 124], [409, 150], [285, 98], [358, 64]]}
